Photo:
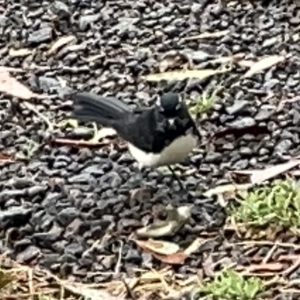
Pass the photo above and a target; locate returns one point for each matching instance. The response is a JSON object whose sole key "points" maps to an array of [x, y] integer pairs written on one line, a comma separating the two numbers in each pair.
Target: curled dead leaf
{"points": [[62, 41], [264, 63], [19, 52]]}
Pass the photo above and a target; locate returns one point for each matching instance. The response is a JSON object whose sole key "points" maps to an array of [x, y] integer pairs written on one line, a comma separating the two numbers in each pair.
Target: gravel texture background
{"points": [[57, 201]]}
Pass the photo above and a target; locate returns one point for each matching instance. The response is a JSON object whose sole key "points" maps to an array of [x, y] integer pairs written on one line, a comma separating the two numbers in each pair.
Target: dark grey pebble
{"points": [[40, 36], [60, 246], [242, 123], [47, 238], [22, 244], [29, 254], [265, 113], [36, 190], [67, 215], [296, 117], [14, 217], [7, 194], [3, 20], [133, 256], [81, 178], [84, 21], [237, 107], [20, 182], [74, 249], [213, 157], [246, 151], [95, 170], [48, 84], [60, 9], [49, 259], [283, 146]]}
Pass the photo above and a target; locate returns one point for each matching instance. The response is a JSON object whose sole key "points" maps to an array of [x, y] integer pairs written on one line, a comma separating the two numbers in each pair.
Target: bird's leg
{"points": [[176, 178]]}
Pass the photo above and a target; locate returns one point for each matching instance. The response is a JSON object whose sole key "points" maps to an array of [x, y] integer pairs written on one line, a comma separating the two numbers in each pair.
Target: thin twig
{"points": [[33, 109]]}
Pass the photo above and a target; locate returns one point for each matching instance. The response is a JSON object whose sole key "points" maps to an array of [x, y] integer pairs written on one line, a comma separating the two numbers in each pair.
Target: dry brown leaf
{"points": [[259, 176], [19, 52], [159, 247], [272, 266], [172, 259], [194, 246], [185, 74], [264, 63], [207, 35], [78, 143], [88, 293], [12, 86], [62, 41], [6, 158]]}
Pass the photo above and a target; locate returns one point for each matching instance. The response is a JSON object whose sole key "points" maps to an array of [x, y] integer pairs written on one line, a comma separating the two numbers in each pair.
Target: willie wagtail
{"points": [[161, 135]]}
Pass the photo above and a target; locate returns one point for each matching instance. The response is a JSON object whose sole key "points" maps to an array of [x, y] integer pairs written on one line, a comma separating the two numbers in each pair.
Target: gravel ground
{"points": [[58, 201]]}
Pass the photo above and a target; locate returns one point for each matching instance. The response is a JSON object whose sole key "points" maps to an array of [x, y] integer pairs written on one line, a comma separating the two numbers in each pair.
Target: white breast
{"points": [[176, 152]]}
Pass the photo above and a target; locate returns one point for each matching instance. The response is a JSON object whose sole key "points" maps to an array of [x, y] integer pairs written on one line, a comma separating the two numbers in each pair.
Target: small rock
{"points": [[264, 113], [213, 157], [95, 170], [237, 107], [14, 217], [67, 215], [243, 123], [283, 146], [40, 36], [48, 84], [29, 254], [20, 182], [81, 179], [246, 151], [74, 249], [3, 20], [296, 117], [60, 9], [85, 21], [36, 190]]}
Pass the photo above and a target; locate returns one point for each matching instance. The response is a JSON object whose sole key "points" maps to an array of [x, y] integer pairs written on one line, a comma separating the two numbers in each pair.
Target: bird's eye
{"points": [[178, 106]]}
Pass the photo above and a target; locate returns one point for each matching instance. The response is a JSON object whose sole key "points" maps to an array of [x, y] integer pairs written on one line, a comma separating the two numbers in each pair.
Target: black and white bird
{"points": [[161, 135]]}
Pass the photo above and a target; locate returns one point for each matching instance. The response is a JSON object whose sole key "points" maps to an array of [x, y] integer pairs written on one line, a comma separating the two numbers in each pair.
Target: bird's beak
{"points": [[172, 123]]}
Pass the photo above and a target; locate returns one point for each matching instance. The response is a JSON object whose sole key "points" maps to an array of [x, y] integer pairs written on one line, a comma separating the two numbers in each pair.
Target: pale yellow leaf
{"points": [[207, 35], [62, 41], [185, 74], [194, 246], [259, 176], [88, 293], [19, 52], [264, 63]]}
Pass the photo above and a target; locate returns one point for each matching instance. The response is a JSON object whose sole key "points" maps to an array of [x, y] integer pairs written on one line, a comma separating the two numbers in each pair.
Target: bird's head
{"points": [[170, 105]]}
